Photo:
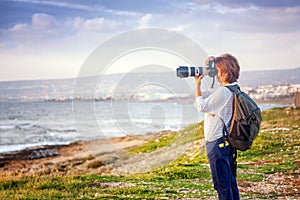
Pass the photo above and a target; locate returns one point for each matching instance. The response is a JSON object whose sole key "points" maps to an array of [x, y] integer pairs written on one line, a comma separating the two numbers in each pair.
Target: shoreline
{"points": [[31, 146], [20, 147], [188, 100], [75, 158]]}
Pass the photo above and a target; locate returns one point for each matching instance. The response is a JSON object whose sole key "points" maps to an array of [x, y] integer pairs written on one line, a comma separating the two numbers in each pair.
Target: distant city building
{"points": [[297, 98]]}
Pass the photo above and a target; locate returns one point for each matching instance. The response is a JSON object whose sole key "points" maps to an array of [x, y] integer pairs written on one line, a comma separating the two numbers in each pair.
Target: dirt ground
{"points": [[81, 157]]}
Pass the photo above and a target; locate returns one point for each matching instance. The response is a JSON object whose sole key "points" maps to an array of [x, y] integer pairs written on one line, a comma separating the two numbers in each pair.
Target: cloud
{"points": [[84, 6], [43, 28], [98, 24], [40, 27], [19, 28], [256, 31], [42, 21], [123, 12], [238, 10], [249, 3], [267, 3], [268, 21], [180, 28], [39, 22], [63, 4], [229, 16], [145, 20]]}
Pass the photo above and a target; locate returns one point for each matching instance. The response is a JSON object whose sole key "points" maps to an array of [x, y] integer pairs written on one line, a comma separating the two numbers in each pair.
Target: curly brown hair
{"points": [[229, 67]]}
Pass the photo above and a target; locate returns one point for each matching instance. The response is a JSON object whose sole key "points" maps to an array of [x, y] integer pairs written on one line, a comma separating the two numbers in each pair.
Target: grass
{"points": [[278, 143], [276, 150], [189, 134]]}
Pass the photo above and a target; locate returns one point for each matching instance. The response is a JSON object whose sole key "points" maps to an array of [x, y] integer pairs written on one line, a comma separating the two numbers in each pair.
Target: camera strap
{"points": [[213, 83]]}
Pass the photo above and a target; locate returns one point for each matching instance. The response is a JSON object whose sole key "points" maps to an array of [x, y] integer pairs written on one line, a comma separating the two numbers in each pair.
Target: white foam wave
{"points": [[6, 127], [18, 147]]}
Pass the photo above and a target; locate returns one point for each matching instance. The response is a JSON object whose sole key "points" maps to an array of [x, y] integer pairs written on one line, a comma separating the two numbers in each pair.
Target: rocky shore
{"points": [[76, 158]]}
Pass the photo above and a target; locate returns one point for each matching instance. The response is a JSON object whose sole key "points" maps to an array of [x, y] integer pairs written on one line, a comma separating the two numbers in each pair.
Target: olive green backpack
{"points": [[245, 121]]}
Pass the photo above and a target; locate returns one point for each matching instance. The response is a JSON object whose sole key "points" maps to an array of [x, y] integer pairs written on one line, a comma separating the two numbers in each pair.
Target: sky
{"points": [[52, 38]]}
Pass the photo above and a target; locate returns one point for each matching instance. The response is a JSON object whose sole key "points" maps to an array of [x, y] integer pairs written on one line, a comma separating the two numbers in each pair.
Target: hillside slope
{"points": [[270, 170]]}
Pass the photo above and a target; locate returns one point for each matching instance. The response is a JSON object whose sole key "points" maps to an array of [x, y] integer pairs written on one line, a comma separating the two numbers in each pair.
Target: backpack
{"points": [[245, 121]]}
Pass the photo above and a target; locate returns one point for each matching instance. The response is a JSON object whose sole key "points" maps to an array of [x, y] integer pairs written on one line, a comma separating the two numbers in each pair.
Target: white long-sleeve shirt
{"points": [[217, 105]]}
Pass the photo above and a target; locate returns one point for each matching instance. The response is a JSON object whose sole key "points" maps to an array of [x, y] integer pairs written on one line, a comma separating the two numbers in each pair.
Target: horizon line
{"points": [[69, 78]]}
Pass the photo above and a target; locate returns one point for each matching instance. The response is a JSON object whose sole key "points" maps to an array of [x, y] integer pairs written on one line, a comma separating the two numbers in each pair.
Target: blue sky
{"points": [[52, 38]]}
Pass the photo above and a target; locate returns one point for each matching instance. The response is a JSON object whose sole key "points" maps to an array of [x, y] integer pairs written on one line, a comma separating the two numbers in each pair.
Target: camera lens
{"points": [[182, 72], [192, 71]]}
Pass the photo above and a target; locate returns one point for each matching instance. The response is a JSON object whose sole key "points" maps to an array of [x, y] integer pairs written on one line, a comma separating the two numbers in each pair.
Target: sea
{"points": [[26, 124]]}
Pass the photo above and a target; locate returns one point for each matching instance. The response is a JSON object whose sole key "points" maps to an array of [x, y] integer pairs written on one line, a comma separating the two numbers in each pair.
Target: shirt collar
{"points": [[229, 84]]}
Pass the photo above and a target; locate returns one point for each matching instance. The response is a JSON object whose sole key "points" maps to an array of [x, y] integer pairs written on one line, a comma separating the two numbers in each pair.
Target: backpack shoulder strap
{"points": [[234, 88], [234, 112]]}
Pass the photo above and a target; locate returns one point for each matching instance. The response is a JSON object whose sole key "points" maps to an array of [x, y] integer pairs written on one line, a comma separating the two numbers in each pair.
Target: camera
{"points": [[184, 71]]}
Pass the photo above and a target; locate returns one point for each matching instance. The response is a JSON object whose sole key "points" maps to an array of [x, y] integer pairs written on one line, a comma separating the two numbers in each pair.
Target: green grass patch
{"points": [[155, 144], [189, 134]]}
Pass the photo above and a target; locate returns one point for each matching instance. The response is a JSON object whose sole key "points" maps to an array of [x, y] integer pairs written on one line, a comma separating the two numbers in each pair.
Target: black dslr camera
{"points": [[184, 71]]}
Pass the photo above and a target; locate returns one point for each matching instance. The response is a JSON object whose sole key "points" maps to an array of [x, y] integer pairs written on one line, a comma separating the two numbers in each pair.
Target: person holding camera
{"points": [[218, 110]]}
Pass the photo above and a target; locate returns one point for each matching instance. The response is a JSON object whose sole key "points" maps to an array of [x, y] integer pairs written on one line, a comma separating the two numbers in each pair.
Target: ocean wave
{"points": [[24, 126], [5, 127], [18, 147]]}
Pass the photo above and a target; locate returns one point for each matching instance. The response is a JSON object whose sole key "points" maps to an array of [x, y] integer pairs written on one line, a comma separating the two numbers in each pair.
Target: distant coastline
{"points": [[279, 100], [262, 85]]}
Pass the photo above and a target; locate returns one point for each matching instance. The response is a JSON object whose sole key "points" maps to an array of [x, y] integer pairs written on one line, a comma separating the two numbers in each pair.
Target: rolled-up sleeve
{"points": [[198, 103], [204, 105]]}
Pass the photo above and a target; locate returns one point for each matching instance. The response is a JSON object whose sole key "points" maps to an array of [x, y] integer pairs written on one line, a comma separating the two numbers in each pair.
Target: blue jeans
{"points": [[221, 161]]}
